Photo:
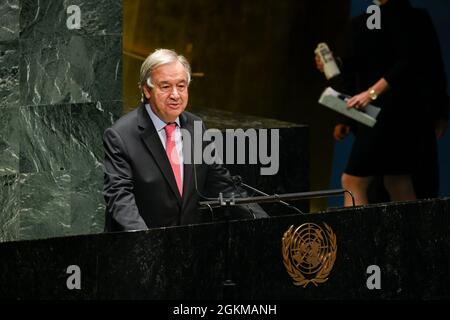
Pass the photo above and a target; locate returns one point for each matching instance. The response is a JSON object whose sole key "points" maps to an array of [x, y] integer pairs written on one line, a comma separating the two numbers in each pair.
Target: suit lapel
{"points": [[151, 139], [188, 183]]}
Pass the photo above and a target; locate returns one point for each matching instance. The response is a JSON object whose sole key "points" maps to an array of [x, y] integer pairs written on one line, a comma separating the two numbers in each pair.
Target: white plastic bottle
{"points": [[330, 67]]}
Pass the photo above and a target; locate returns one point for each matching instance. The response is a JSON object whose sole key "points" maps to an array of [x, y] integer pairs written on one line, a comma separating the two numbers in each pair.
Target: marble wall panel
{"points": [[51, 79], [51, 18], [9, 17], [45, 138], [63, 137], [89, 121], [70, 69], [87, 206], [9, 207], [9, 75], [44, 205], [9, 141]]}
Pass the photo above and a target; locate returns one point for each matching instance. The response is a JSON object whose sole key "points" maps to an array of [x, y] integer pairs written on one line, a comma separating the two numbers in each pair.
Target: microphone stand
{"points": [[277, 198], [228, 284], [238, 181]]}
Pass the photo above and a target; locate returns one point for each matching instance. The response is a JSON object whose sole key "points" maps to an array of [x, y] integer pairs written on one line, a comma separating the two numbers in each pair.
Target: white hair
{"points": [[158, 58]]}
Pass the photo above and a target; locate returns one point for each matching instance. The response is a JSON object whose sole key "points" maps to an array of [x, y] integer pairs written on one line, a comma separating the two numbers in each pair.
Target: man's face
{"points": [[169, 95]]}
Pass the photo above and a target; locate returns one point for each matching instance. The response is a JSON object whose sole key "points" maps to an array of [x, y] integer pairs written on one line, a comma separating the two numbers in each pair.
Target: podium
{"points": [[408, 242]]}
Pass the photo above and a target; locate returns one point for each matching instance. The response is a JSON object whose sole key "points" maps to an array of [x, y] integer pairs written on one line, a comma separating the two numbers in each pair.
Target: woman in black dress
{"points": [[390, 68]]}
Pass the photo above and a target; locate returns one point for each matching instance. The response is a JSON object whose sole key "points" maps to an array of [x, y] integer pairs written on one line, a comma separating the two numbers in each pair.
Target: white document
{"points": [[338, 102]]}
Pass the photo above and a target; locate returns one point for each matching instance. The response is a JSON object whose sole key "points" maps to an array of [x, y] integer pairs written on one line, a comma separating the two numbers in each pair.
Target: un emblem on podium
{"points": [[309, 252]]}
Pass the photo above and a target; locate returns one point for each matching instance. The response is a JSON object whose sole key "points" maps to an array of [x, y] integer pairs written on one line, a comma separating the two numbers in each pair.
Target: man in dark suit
{"points": [[149, 181]]}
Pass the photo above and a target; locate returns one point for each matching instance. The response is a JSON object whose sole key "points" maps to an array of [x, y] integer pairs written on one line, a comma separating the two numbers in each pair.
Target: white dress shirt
{"points": [[159, 126]]}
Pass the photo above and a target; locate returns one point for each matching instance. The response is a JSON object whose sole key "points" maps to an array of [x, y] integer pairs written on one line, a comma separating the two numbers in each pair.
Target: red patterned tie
{"points": [[172, 154]]}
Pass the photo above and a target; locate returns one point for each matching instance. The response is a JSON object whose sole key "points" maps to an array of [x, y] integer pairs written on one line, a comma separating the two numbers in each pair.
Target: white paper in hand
{"points": [[338, 102]]}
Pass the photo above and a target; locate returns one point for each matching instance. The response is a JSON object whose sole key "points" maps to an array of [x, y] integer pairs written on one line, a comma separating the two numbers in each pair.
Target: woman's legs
{"points": [[400, 187], [358, 187]]}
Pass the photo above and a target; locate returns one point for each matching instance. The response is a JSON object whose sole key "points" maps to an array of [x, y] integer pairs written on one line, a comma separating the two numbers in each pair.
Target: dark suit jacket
{"points": [[139, 185]]}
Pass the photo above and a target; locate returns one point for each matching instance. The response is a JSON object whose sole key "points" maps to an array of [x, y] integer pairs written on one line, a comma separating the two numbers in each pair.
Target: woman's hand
{"points": [[360, 101], [319, 63], [341, 131]]}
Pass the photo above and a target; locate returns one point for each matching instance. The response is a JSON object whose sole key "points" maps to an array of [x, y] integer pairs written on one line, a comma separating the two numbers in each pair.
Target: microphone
{"points": [[224, 201], [202, 196], [237, 180]]}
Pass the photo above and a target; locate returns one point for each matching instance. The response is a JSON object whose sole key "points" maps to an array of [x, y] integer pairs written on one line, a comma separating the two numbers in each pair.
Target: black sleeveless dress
{"points": [[397, 53]]}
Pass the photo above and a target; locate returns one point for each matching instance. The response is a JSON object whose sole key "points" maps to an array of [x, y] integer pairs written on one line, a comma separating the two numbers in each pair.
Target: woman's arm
{"points": [[361, 100]]}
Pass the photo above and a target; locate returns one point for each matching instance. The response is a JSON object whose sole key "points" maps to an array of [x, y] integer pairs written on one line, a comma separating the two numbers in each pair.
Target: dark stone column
{"points": [[60, 89]]}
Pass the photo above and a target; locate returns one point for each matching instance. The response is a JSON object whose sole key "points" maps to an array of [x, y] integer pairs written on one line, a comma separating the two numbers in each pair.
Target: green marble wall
{"points": [[59, 90]]}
